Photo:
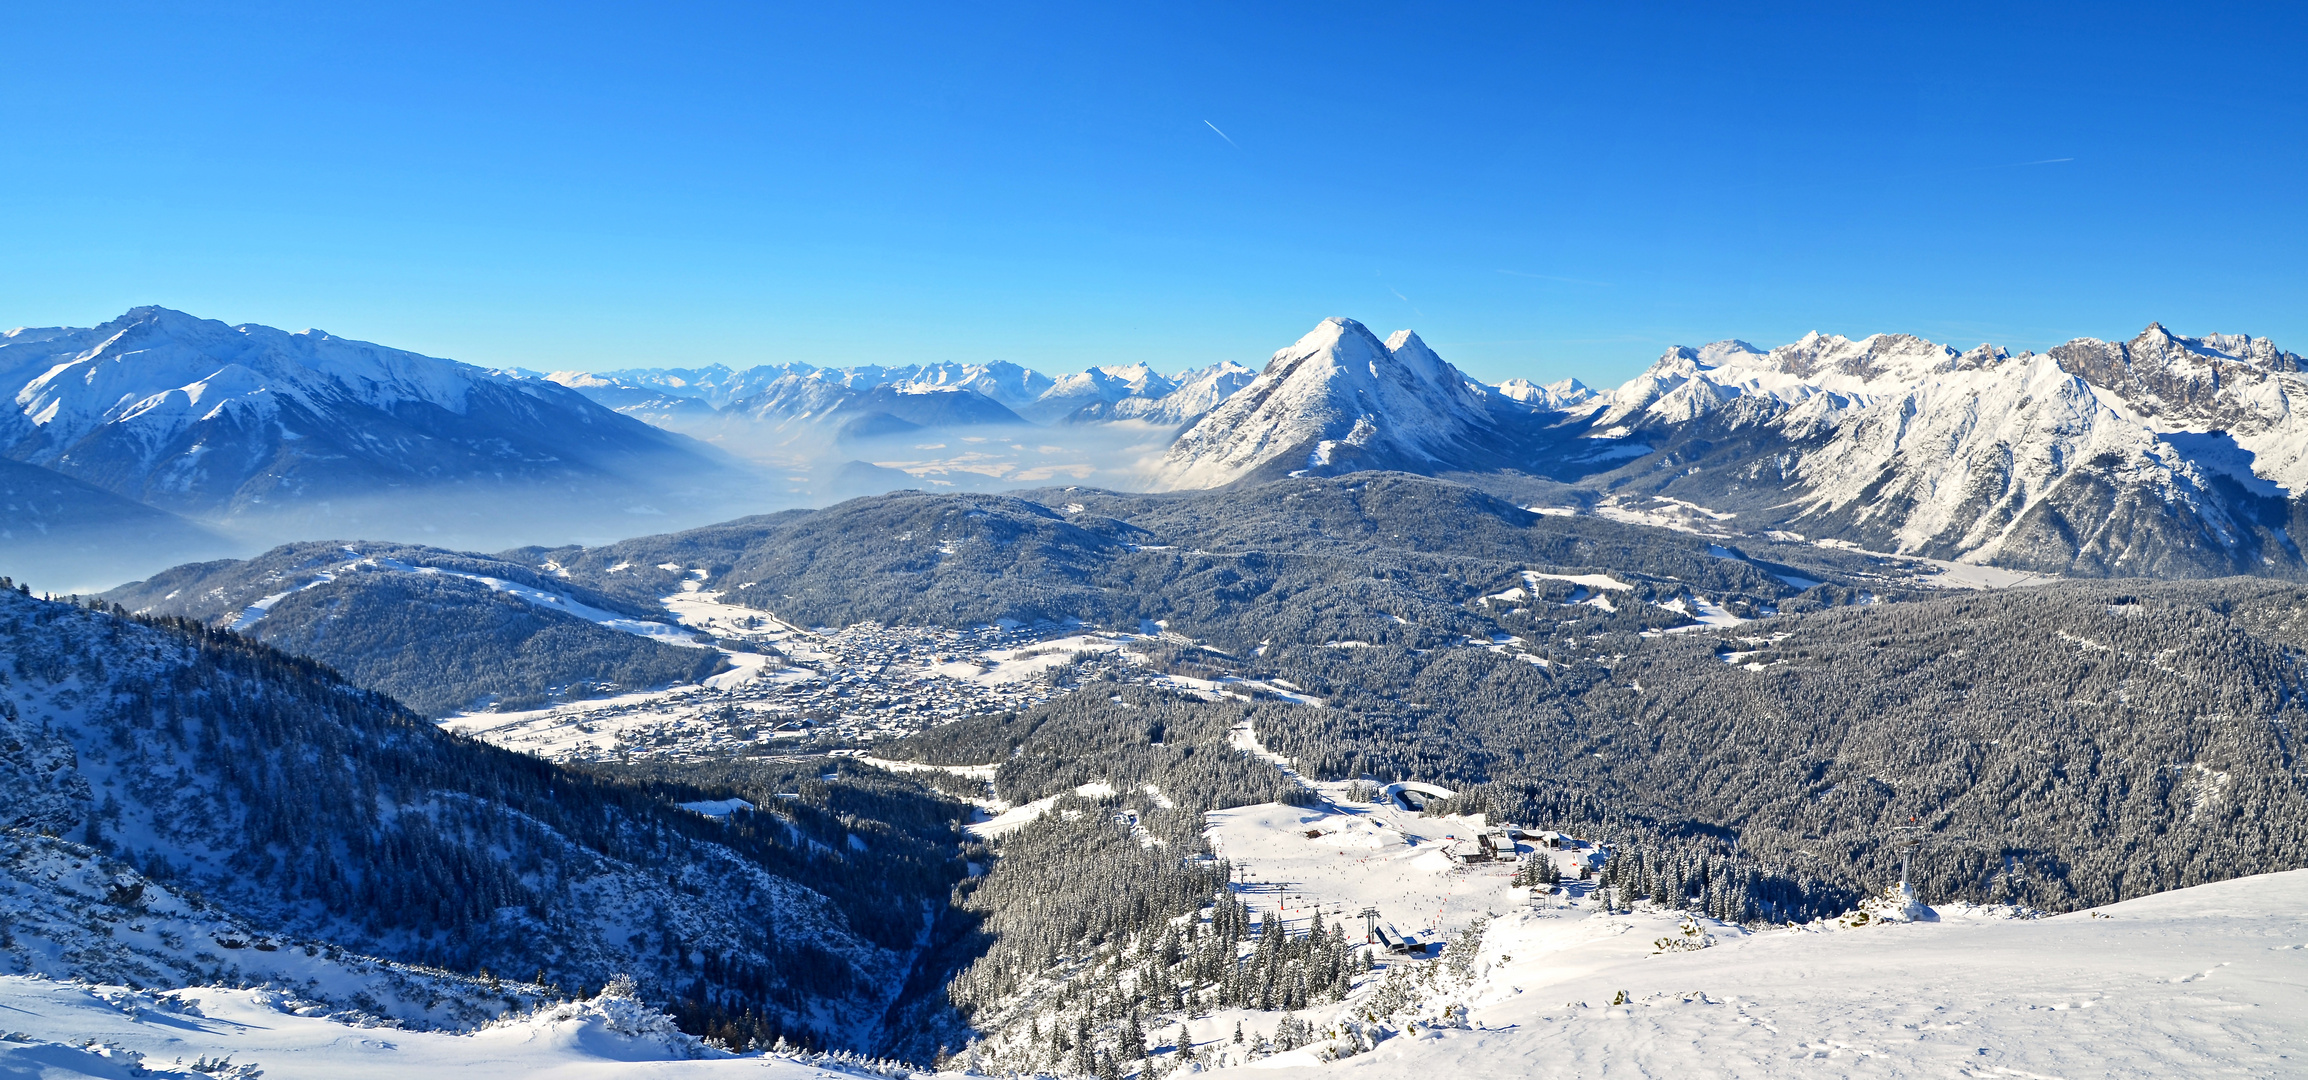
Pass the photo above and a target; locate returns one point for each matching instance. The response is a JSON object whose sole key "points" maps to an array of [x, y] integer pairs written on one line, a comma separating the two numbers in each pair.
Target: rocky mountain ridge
{"points": [[2155, 456]]}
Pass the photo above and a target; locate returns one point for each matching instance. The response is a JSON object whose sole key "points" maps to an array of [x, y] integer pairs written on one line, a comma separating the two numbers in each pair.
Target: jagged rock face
{"points": [[2163, 455], [1339, 399], [2160, 374], [196, 416]]}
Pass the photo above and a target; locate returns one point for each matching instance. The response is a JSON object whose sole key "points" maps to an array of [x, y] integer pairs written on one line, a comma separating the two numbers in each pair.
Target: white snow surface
{"points": [[2208, 981], [61, 1031]]}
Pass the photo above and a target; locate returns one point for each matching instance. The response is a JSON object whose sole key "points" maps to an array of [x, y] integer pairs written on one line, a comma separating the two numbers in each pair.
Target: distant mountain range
{"points": [[2163, 455], [2160, 456], [195, 416], [252, 430], [707, 400]]}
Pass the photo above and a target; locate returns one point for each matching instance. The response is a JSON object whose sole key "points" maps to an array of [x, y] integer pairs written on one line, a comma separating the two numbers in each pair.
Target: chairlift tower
{"points": [[1369, 925], [1908, 838]]}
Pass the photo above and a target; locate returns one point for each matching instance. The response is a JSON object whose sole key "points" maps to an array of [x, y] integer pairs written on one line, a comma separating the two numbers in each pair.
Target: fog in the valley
{"points": [[764, 469]]}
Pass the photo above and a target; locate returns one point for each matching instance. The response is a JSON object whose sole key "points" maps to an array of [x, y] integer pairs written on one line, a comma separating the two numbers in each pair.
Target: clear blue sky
{"points": [[1539, 189]]}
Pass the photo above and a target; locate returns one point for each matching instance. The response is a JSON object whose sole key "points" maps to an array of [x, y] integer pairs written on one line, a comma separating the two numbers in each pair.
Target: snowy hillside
{"points": [[2160, 455], [2200, 981], [2203, 982], [68, 1031], [315, 812]]}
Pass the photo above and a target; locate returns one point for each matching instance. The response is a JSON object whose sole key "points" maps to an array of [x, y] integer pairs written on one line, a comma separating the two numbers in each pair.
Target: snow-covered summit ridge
{"points": [[200, 417], [160, 367], [2155, 373]]}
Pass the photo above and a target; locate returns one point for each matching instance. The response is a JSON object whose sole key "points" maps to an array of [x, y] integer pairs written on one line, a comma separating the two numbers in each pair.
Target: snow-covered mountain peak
{"points": [[1732, 351], [1099, 389], [106, 373], [579, 380], [1337, 398], [195, 414], [2225, 380], [2115, 456]]}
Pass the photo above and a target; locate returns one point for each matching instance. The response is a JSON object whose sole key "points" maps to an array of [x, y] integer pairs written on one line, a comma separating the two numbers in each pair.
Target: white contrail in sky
{"points": [[1222, 135]]}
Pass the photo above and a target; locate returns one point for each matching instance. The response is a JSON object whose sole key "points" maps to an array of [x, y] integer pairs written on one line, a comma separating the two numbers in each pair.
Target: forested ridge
{"points": [[1382, 558], [415, 623]]}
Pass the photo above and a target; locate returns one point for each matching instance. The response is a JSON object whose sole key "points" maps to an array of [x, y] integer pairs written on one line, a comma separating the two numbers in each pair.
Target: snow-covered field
{"points": [[56, 1031], [2211, 981], [1363, 856]]}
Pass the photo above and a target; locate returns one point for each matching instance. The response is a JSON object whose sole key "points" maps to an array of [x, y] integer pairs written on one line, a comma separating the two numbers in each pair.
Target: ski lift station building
{"points": [[1412, 795]]}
